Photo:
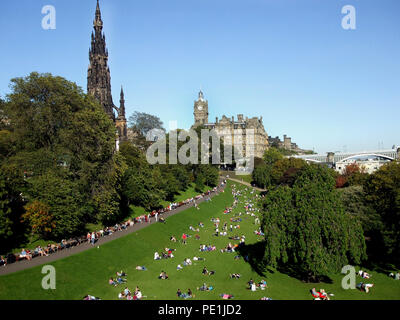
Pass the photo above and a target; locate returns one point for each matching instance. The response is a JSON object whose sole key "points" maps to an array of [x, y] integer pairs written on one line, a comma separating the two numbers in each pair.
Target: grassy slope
{"points": [[88, 272], [246, 178]]}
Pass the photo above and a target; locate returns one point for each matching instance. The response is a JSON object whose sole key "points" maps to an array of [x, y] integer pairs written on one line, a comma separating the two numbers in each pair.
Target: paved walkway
{"points": [[25, 264]]}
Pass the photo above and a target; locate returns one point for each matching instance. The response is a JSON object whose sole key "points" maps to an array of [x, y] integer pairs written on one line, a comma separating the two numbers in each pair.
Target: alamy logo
{"points": [[349, 20], [238, 147], [49, 280], [49, 20], [349, 281]]}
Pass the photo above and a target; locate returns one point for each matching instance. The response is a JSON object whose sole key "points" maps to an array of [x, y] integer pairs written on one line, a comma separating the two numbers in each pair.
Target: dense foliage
{"points": [[382, 190], [307, 228], [57, 147]]}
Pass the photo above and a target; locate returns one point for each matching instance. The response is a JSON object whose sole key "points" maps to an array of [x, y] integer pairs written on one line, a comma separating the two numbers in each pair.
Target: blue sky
{"points": [[289, 61]]}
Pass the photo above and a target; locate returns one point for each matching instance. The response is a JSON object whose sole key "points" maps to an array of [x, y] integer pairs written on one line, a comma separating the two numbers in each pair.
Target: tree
{"points": [[40, 219], [382, 189], [307, 228], [272, 155], [199, 183], [262, 176], [284, 171], [11, 206], [64, 143], [143, 122]]}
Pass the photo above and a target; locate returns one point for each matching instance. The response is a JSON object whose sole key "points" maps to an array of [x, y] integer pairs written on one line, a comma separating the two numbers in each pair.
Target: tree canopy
{"points": [[63, 144], [307, 228]]}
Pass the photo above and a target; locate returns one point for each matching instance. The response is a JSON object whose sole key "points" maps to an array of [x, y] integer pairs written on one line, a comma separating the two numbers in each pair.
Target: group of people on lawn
{"points": [[92, 237]]}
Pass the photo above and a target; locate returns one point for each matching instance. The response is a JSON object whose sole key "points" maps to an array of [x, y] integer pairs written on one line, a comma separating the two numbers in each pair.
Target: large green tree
{"points": [[382, 190], [64, 142], [307, 228]]}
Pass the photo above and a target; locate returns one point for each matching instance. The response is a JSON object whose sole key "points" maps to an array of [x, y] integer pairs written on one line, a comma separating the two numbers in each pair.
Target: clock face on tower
{"points": [[200, 108]]}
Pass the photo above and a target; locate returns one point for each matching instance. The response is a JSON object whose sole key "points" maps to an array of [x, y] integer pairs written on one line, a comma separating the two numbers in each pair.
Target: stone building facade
{"points": [[99, 78], [229, 127], [286, 144]]}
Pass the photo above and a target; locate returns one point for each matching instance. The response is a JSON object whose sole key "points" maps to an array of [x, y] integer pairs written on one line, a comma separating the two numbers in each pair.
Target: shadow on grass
{"points": [[254, 255], [294, 272]]}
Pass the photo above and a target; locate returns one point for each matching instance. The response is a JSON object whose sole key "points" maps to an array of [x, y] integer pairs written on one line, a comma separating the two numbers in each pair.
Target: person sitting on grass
{"points": [[179, 267], [263, 284], [204, 287], [163, 275], [173, 239], [157, 256], [207, 273], [179, 293], [121, 295], [127, 291]]}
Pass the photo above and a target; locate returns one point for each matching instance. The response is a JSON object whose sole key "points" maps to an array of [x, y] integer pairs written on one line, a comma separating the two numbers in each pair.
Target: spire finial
{"points": [[97, 20], [201, 95]]}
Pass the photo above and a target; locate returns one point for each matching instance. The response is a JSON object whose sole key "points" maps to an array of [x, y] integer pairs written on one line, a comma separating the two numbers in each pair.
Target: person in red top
{"points": [[184, 238]]}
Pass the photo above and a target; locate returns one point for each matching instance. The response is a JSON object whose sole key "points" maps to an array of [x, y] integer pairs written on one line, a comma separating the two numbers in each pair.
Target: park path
{"points": [[25, 264]]}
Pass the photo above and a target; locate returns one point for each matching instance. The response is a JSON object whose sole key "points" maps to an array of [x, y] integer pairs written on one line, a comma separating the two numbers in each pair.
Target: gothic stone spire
{"points": [[99, 79], [121, 122]]}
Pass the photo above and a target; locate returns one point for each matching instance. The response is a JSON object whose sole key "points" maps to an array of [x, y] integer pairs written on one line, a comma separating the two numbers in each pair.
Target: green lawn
{"points": [[183, 195], [245, 178], [89, 271]]}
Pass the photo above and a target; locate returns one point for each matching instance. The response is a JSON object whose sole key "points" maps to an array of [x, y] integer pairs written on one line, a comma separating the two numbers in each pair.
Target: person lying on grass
{"points": [[198, 259], [141, 268], [235, 276], [226, 296], [89, 297], [121, 274], [363, 274], [207, 273], [121, 280], [187, 262], [365, 286], [112, 282], [322, 295]]}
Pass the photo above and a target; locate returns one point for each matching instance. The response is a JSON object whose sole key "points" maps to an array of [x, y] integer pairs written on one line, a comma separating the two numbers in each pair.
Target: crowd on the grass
{"points": [[232, 226], [93, 237]]}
